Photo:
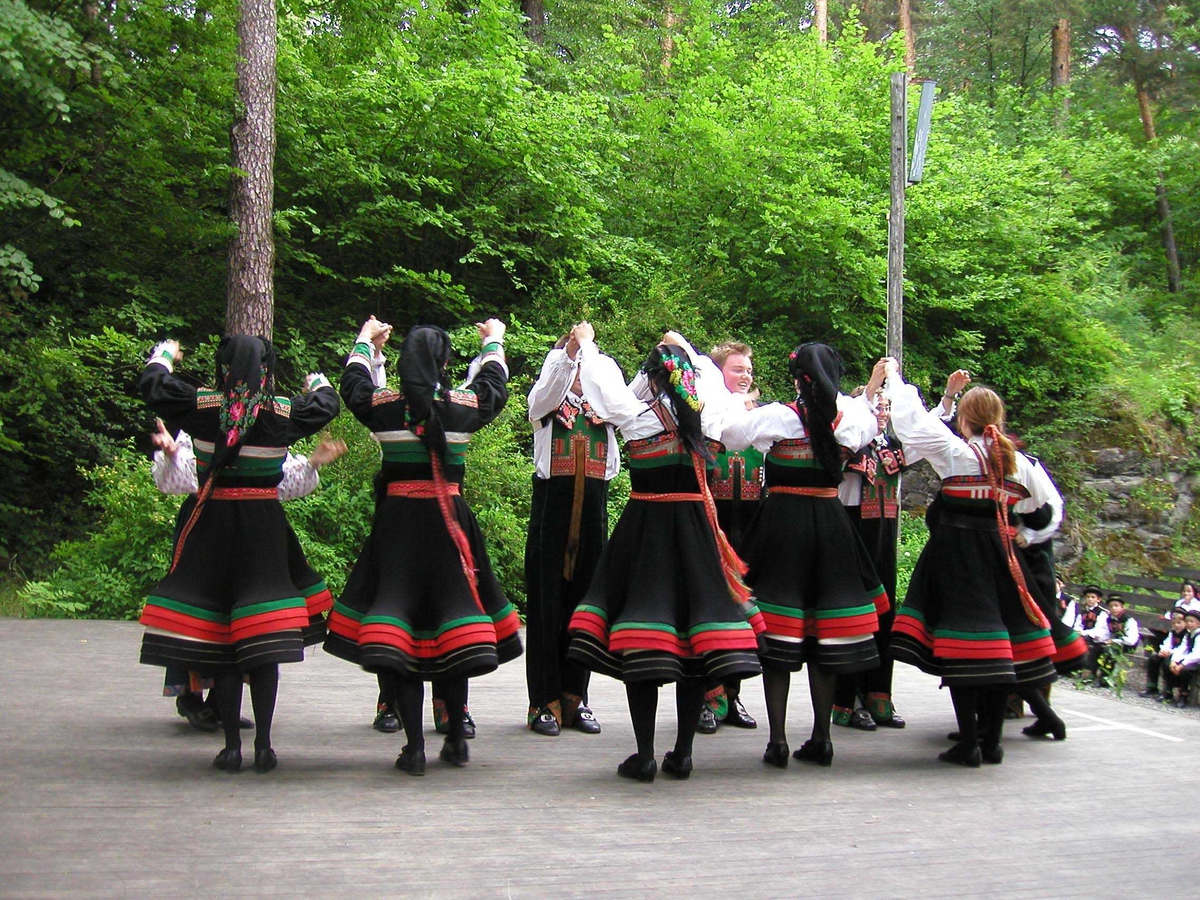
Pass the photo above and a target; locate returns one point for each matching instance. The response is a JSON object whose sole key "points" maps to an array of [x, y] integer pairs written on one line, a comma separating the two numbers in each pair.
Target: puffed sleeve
{"points": [[762, 427], [857, 426], [176, 474], [605, 388], [549, 391], [299, 478], [920, 431], [1043, 495]]}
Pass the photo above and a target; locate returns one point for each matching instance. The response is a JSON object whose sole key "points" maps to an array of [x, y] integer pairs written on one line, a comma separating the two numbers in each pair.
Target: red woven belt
{"points": [[667, 498], [803, 491], [420, 490], [245, 494]]}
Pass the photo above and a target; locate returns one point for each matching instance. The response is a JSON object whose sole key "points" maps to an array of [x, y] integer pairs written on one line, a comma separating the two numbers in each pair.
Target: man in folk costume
{"points": [[576, 455], [737, 488]]}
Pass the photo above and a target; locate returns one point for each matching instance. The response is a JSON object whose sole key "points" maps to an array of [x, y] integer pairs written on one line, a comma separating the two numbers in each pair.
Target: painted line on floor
{"points": [[1122, 726]]}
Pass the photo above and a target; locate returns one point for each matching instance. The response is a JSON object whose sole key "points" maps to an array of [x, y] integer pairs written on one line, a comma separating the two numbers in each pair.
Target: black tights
{"points": [[980, 714], [777, 685], [410, 696], [264, 686], [643, 711], [1039, 703]]}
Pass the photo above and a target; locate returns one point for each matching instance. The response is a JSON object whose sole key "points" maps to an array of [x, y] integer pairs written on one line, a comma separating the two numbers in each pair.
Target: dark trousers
{"points": [[551, 597]]}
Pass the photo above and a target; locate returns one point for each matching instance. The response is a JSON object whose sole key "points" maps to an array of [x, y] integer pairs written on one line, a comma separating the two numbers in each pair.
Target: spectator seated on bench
{"points": [[1161, 656], [1123, 636], [1180, 672], [1092, 622]]}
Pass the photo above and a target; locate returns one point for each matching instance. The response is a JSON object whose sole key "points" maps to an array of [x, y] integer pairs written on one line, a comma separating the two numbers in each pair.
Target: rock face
{"points": [[1139, 504]]}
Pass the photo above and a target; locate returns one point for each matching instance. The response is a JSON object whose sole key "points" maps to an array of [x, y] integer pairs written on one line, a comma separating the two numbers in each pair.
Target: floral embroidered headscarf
{"points": [[245, 378]]}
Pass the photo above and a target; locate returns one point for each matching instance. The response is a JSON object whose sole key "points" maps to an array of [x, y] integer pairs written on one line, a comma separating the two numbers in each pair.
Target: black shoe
{"points": [[229, 761], [411, 761], [1149, 692], [640, 770], [199, 716], [585, 721], [1056, 729], [1181, 703], [678, 766], [955, 736], [456, 754], [819, 752], [737, 715], [861, 719], [895, 720], [545, 723], [386, 719], [960, 753], [708, 721], [468, 725], [777, 755], [994, 756], [264, 761], [245, 724]]}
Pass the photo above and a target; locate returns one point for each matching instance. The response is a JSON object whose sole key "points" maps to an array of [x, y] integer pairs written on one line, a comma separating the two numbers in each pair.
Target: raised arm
{"points": [[920, 430], [605, 388], [549, 391], [487, 376], [168, 395]]}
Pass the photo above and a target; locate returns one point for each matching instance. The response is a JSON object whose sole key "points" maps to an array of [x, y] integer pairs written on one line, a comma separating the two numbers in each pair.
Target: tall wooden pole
{"points": [[895, 274]]}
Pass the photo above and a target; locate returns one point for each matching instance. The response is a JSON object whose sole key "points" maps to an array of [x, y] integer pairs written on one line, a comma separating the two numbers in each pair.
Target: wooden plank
{"points": [[1189, 574], [1170, 588], [106, 792]]}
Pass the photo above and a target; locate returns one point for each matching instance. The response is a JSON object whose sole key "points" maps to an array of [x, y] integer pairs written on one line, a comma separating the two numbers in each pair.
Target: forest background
{"points": [[719, 168]]}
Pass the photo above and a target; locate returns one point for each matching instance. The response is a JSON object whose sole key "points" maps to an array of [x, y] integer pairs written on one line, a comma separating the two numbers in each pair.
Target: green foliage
{"points": [[109, 574], [913, 535]]}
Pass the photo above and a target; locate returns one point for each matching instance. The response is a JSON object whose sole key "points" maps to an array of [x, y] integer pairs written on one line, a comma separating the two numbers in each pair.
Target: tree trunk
{"points": [[250, 289], [535, 15], [821, 20], [1162, 202], [1060, 55], [670, 20], [904, 20]]}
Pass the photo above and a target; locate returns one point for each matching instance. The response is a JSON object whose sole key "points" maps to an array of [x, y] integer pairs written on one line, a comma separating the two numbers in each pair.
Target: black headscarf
{"points": [[423, 358], [818, 371], [246, 380], [664, 362]]}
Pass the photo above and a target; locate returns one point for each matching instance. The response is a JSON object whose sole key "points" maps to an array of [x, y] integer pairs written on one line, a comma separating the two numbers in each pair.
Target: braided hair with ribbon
{"points": [[818, 370], [671, 375], [423, 359], [245, 369]]}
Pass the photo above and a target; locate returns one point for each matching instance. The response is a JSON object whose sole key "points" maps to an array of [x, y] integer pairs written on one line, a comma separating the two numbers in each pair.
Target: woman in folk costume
{"points": [[174, 472], [812, 578], [229, 606], [666, 603], [422, 603], [970, 616]]}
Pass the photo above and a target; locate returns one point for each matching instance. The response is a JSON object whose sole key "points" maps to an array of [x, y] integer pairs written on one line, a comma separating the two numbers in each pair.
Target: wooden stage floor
{"points": [[105, 791]]}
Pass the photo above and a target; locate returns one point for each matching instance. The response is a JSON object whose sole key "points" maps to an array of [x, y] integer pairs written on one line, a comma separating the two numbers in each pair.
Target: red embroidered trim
{"points": [[245, 494], [420, 490], [803, 491]]}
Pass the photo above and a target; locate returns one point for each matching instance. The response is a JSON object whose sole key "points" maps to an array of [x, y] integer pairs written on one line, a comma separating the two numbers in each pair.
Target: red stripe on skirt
{"points": [[319, 602], [181, 623], [481, 634], [343, 626]]}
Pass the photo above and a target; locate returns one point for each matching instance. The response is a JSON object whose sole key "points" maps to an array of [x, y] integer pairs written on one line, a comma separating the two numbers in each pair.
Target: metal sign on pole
{"points": [[921, 138]]}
